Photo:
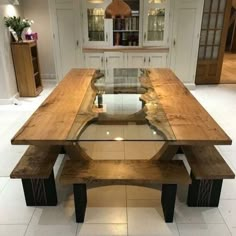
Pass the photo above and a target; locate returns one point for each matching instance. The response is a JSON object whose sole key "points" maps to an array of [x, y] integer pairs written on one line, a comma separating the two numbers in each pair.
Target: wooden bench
{"points": [[167, 173], [35, 168], [208, 169]]}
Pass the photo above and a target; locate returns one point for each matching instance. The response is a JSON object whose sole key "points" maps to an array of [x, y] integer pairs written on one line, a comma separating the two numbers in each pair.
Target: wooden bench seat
{"points": [[35, 168], [167, 173], [208, 169]]}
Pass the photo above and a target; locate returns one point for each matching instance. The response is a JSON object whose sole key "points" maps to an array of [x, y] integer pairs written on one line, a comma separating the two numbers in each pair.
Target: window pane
{"points": [[220, 21], [201, 52], [215, 52], [218, 37], [213, 21], [210, 37], [208, 52]]}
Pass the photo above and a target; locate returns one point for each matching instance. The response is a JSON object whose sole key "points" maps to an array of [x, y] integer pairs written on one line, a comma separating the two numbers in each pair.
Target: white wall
{"points": [[38, 10], [8, 88]]}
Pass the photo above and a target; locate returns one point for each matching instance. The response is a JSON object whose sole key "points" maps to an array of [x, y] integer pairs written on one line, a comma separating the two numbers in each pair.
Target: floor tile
{"points": [[108, 196], [59, 220], [203, 230], [197, 215], [12, 205], [228, 190], [139, 150], [12, 230], [139, 192], [102, 230], [228, 210], [3, 182], [148, 221]]}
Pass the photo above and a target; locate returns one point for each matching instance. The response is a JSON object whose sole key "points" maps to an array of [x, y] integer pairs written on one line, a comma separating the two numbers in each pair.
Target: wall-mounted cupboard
{"points": [[160, 33]]}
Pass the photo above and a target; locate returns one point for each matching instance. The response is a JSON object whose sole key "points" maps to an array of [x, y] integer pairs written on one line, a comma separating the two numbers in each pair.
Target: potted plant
{"points": [[16, 25]]}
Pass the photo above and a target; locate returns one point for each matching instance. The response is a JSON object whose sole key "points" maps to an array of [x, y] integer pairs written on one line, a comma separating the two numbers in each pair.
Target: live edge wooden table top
{"points": [[169, 108]]}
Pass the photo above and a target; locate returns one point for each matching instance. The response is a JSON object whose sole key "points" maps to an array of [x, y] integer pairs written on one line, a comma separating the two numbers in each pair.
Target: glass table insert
{"points": [[121, 107]]}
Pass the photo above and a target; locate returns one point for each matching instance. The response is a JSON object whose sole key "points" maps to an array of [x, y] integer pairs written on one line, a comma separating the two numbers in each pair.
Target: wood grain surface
{"points": [[37, 162], [52, 121], [65, 112], [207, 163], [125, 172], [190, 122]]}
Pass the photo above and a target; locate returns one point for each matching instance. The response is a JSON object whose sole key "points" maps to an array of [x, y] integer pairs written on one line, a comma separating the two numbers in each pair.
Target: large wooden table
{"points": [[69, 107], [166, 105]]}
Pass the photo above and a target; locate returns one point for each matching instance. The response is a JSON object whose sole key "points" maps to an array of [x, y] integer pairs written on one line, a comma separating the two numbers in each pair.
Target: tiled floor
{"points": [[115, 210]]}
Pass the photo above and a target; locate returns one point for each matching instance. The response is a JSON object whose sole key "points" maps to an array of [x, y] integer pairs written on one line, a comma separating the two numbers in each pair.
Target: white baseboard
{"points": [[190, 86], [50, 82], [48, 76], [9, 101]]}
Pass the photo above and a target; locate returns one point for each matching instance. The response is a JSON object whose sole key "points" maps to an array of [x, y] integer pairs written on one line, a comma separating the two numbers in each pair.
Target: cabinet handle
{"points": [[106, 37], [145, 36], [144, 60], [174, 42], [102, 60], [106, 60], [77, 43], [149, 59]]}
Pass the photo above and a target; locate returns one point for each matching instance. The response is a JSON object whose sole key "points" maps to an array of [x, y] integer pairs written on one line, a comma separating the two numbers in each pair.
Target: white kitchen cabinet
{"points": [[156, 16], [147, 60], [94, 60], [157, 60], [136, 60], [66, 35], [106, 61], [97, 30]]}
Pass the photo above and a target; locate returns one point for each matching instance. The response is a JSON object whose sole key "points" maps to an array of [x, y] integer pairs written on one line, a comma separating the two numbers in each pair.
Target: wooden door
{"points": [[65, 16], [186, 31], [212, 42]]}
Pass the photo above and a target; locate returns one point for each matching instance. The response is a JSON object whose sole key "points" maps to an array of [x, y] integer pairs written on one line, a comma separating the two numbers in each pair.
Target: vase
{"points": [[19, 35]]}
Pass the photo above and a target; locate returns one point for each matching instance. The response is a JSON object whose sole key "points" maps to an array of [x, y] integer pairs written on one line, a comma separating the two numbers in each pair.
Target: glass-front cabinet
{"points": [[156, 19], [96, 27], [147, 26]]}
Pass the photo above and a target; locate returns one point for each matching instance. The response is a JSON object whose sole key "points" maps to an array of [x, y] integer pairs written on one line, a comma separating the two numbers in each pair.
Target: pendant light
{"points": [[117, 9]]}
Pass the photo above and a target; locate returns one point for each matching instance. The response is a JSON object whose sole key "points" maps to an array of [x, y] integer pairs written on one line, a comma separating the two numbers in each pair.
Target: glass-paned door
{"points": [[212, 41], [211, 31], [156, 19], [96, 31]]}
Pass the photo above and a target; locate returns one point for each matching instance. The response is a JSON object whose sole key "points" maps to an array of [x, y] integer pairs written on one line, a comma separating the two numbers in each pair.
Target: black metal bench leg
{"points": [[168, 201], [40, 192], [80, 198], [204, 193]]}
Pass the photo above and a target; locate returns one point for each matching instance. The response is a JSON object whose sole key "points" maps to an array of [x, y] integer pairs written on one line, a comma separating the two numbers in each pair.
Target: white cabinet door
{"points": [[94, 60], [186, 34], [157, 60], [97, 30], [66, 33], [156, 15], [113, 60], [136, 60]]}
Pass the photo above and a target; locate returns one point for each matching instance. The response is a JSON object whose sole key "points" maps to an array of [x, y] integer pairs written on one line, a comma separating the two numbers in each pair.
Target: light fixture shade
{"points": [[118, 8]]}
